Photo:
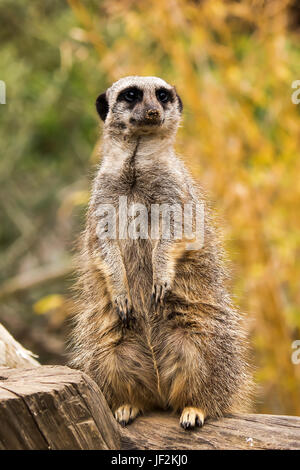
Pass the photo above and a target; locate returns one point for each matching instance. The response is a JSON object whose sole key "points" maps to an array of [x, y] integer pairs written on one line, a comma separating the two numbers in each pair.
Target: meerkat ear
{"points": [[102, 106], [180, 105]]}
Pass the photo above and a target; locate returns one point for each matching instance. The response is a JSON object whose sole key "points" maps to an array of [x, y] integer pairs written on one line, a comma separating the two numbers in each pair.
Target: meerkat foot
{"points": [[124, 310], [158, 293], [191, 417], [125, 414]]}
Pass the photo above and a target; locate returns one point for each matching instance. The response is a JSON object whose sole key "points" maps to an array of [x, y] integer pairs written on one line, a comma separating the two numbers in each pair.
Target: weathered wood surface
{"points": [[239, 432], [55, 407]]}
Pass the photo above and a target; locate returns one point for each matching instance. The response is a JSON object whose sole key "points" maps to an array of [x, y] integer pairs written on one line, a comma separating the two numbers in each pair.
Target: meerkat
{"points": [[155, 326]]}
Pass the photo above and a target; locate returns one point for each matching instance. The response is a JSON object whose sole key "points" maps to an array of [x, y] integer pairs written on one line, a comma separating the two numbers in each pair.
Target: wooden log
{"points": [[55, 407], [236, 432]]}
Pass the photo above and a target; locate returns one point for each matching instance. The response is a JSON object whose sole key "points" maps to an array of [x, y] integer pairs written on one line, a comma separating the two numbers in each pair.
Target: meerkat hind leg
{"points": [[191, 417], [125, 414]]}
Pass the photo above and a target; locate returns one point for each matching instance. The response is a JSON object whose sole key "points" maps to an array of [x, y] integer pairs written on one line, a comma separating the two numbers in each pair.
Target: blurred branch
{"points": [[34, 278], [18, 248]]}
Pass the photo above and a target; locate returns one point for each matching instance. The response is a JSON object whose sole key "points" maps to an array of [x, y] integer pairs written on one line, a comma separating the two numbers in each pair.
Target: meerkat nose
{"points": [[152, 113]]}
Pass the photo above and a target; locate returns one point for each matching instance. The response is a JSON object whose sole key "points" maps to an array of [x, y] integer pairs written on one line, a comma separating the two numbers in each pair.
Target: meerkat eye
{"points": [[163, 95], [130, 95]]}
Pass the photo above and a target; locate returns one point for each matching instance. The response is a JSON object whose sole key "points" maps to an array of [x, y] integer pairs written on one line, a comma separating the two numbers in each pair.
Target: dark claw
{"points": [[185, 425], [123, 423], [158, 294], [119, 312], [152, 300], [199, 422], [124, 313]]}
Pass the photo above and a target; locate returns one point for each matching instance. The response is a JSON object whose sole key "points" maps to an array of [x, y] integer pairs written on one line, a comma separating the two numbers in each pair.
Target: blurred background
{"points": [[233, 64]]}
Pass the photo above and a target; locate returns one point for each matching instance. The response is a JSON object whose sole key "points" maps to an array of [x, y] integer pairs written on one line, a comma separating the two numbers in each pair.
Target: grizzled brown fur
{"points": [[185, 350]]}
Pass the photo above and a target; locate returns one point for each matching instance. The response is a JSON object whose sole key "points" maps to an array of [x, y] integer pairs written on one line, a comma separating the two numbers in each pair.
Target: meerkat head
{"points": [[140, 105]]}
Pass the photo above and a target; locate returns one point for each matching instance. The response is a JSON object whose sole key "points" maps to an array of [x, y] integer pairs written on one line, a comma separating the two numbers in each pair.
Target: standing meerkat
{"points": [[155, 326]]}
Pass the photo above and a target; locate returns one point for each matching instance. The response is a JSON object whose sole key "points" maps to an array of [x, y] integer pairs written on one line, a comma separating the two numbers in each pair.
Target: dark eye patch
{"points": [[130, 95], [163, 95]]}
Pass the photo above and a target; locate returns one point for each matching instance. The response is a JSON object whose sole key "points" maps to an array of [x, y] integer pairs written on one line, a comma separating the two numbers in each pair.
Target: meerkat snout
{"points": [[146, 115], [152, 113], [150, 117], [138, 105]]}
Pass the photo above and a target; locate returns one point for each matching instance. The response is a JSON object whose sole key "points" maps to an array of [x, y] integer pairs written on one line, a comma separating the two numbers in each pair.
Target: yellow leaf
{"points": [[50, 302]]}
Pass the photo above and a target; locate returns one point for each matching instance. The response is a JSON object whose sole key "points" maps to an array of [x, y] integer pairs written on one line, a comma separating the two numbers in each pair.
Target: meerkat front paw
{"points": [[159, 292], [124, 309], [191, 417], [125, 414]]}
